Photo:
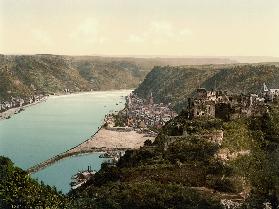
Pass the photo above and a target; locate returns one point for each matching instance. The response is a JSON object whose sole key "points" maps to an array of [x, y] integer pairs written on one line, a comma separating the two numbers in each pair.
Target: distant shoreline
{"points": [[10, 112], [87, 92]]}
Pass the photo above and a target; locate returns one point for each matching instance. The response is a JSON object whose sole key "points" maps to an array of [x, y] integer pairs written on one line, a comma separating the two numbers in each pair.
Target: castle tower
{"points": [[151, 101], [129, 100], [265, 89]]}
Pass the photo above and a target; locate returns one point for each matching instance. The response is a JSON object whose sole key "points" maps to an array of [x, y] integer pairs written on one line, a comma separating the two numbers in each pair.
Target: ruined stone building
{"points": [[270, 94], [220, 104]]}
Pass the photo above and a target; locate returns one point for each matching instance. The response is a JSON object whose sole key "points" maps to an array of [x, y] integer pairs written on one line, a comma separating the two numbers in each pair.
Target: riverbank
{"points": [[10, 112], [88, 92], [113, 139], [102, 141], [15, 110], [106, 138]]}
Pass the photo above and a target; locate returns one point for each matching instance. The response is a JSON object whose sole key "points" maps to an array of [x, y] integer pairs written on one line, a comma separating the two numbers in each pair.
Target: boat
{"points": [[112, 155], [81, 178], [104, 155], [107, 155]]}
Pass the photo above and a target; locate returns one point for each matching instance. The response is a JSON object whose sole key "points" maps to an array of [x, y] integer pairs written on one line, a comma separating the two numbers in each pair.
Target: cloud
{"points": [[159, 32], [88, 31], [135, 39], [185, 32], [161, 28], [41, 37]]}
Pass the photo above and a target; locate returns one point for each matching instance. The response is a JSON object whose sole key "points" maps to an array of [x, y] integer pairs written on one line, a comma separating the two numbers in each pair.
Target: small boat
{"points": [[107, 155], [81, 178]]}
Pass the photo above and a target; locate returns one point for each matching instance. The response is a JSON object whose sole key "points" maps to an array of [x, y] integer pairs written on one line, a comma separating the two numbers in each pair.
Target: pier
{"points": [[75, 151], [67, 154], [104, 140]]}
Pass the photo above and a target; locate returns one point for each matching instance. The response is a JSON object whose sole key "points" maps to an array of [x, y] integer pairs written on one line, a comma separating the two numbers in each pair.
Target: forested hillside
{"points": [[200, 163], [18, 190], [175, 84], [25, 75], [47, 74]]}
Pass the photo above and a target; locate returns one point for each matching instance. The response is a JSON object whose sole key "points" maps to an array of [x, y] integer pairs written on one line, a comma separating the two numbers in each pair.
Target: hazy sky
{"points": [[140, 27]]}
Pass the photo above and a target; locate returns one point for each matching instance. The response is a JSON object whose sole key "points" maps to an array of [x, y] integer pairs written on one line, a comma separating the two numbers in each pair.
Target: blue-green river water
{"points": [[52, 127]]}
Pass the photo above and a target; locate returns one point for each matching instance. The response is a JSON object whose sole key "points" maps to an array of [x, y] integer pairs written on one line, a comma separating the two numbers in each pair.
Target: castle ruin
{"points": [[220, 104]]}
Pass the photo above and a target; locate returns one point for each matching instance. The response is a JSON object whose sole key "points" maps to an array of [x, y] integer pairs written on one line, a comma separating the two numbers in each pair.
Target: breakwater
{"points": [[67, 154], [71, 153]]}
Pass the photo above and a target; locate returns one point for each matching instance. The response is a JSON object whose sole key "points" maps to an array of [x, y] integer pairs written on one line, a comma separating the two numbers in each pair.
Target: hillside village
{"points": [[144, 114]]}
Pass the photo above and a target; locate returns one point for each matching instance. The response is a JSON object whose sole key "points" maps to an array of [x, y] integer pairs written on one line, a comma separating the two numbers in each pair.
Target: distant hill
{"points": [[44, 74], [25, 75], [175, 84], [253, 59]]}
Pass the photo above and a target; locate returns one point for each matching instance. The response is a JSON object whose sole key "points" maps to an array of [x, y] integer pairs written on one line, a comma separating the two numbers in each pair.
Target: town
{"points": [[140, 114], [19, 103]]}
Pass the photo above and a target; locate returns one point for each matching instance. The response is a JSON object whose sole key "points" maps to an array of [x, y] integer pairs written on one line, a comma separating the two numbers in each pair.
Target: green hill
{"points": [[186, 168], [25, 75], [18, 190], [175, 84], [46, 74]]}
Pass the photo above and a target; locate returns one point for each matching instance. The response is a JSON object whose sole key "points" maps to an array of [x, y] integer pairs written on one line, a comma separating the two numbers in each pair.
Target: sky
{"points": [[140, 27]]}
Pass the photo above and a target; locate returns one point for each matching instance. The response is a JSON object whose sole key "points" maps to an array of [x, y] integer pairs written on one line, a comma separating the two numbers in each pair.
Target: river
{"points": [[52, 127]]}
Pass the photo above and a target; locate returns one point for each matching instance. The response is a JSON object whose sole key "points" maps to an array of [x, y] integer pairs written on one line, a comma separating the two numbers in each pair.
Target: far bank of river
{"points": [[51, 127]]}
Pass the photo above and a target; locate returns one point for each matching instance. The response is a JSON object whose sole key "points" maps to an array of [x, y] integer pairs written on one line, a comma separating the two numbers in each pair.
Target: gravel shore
{"points": [[111, 139]]}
